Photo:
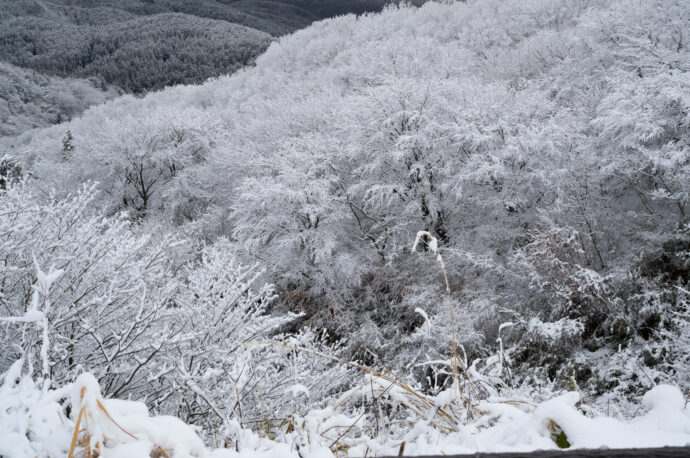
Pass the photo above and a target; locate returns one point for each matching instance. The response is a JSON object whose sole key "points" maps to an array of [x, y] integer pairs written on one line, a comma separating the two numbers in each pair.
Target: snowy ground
{"points": [[34, 421]]}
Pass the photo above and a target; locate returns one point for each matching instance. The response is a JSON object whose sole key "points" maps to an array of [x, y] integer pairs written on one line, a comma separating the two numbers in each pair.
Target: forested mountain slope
{"points": [[543, 145], [93, 12], [146, 52]]}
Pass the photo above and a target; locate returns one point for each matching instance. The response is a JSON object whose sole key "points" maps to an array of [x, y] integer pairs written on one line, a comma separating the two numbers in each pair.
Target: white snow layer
{"points": [[34, 423]]}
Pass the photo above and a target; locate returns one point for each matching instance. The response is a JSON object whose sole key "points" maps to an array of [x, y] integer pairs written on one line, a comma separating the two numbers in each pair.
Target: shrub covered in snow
{"points": [[190, 337]]}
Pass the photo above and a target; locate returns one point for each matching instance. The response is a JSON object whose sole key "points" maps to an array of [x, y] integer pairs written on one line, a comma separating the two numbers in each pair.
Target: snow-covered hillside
{"points": [[29, 99], [542, 145]]}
